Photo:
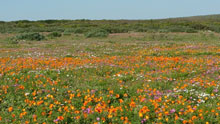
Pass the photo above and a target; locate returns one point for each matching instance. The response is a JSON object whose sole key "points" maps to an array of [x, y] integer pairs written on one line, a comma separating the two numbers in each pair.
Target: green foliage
{"points": [[11, 40], [177, 29], [189, 25], [54, 34], [191, 30], [97, 33], [80, 30], [66, 33], [29, 36]]}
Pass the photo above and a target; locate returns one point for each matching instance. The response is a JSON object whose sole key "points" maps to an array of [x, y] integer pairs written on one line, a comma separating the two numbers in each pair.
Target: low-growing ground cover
{"points": [[125, 78]]}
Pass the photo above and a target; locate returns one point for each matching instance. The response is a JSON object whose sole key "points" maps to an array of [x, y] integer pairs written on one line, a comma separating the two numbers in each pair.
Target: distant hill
{"points": [[215, 17], [183, 24]]}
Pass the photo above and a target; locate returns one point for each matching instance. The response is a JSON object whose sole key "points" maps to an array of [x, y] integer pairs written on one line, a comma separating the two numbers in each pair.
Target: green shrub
{"points": [[66, 33], [97, 33], [176, 29], [191, 30], [54, 34], [29, 36], [70, 30], [11, 40], [80, 30]]}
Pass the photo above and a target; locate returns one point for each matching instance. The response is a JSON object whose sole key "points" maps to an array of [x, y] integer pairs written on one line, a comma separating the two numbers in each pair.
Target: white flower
{"points": [[26, 94]]}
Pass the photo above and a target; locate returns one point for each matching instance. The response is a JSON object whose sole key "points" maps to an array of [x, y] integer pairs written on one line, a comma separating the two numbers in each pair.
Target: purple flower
{"points": [[16, 85], [88, 110], [172, 111], [156, 97], [56, 120]]}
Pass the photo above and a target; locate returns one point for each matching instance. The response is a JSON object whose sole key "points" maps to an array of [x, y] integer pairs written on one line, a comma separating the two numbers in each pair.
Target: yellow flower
{"points": [[146, 117], [140, 114]]}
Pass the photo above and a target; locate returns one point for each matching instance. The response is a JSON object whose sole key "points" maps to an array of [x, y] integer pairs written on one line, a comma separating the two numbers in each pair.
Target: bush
{"points": [[97, 33], [191, 30], [29, 36], [176, 29], [71, 30], [54, 34], [66, 33], [80, 30], [11, 40]]}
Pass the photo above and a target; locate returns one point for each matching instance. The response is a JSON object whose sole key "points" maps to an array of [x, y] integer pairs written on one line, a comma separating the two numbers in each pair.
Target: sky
{"points": [[11, 10]]}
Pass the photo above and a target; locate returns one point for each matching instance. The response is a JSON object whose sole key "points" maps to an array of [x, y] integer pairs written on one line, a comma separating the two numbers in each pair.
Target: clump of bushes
{"points": [[54, 34], [96, 33], [66, 33], [176, 29], [191, 30], [11, 40], [29, 36]]}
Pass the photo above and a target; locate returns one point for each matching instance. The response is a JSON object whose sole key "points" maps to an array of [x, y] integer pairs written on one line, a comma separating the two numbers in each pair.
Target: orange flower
{"points": [[61, 118], [176, 117], [121, 101], [35, 117], [194, 117], [144, 110], [21, 87], [50, 112], [43, 113], [117, 95], [51, 106], [111, 92], [10, 109], [77, 117], [213, 111], [122, 118], [0, 118], [40, 102], [184, 121], [132, 104], [125, 95]]}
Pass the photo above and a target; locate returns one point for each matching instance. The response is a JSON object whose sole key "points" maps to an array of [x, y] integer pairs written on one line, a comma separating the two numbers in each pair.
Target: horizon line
{"points": [[110, 19]]}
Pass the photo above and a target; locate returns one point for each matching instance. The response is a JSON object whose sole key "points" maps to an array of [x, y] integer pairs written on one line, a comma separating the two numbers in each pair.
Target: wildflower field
{"points": [[124, 78]]}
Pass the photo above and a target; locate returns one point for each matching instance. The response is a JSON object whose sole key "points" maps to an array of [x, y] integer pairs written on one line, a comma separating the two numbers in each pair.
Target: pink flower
{"points": [[172, 111], [97, 118]]}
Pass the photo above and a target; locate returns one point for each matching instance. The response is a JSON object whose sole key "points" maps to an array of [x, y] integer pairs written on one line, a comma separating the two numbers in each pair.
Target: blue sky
{"points": [[104, 9]]}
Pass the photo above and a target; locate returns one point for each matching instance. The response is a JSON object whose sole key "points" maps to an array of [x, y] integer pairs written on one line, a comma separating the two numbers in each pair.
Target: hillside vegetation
{"points": [[187, 24]]}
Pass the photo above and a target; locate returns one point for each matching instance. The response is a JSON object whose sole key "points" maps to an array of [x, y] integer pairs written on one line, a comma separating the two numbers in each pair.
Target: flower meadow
{"points": [[114, 83]]}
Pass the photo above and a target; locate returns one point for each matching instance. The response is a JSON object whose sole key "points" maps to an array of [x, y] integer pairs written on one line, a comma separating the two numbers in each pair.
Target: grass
{"points": [[123, 78]]}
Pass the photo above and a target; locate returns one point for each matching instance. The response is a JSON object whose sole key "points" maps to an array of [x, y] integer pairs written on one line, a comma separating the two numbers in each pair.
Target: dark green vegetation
{"points": [[54, 35], [29, 36], [190, 24]]}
